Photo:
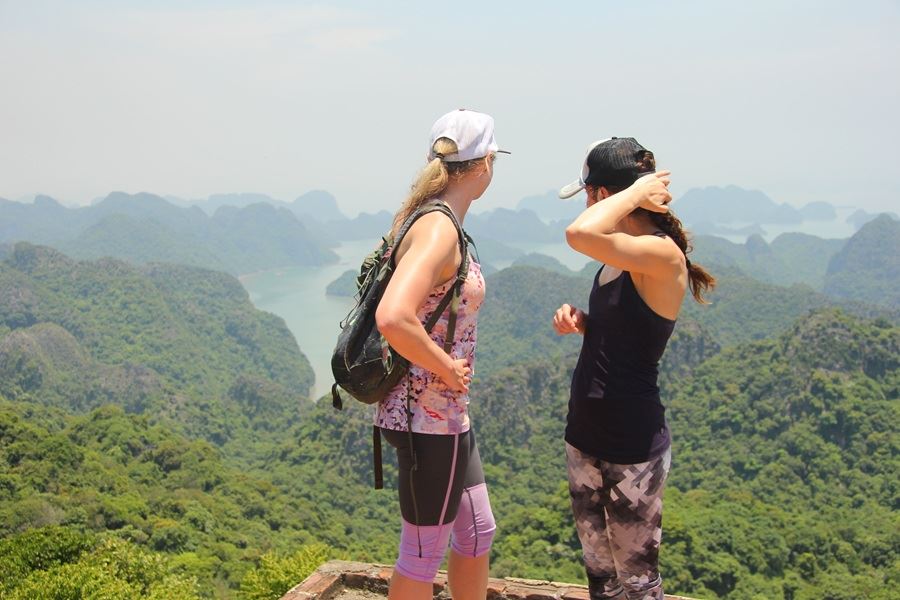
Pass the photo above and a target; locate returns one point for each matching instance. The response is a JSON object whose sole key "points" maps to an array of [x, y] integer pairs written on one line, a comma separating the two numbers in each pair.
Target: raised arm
{"points": [[594, 233], [427, 258]]}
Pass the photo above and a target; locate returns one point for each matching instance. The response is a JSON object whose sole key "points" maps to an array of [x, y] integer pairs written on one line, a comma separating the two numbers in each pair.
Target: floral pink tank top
{"points": [[435, 407]]}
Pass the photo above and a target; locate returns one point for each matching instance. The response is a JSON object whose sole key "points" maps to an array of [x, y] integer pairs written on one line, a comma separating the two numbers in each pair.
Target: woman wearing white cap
{"points": [[617, 439], [443, 496]]}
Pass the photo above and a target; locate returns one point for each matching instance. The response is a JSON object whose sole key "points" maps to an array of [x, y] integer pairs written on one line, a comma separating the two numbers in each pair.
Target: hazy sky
{"points": [[799, 99]]}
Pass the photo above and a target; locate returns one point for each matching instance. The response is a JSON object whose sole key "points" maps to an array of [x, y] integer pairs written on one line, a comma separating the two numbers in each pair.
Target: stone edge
{"points": [[332, 577]]}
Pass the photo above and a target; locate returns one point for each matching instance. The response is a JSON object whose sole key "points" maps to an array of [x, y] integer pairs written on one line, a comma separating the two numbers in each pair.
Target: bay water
{"points": [[297, 295]]}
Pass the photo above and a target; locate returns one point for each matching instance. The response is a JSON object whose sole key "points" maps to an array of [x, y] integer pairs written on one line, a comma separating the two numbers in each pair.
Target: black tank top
{"points": [[614, 409]]}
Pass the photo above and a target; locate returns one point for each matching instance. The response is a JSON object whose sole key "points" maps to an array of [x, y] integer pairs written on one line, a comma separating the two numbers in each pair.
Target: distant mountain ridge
{"points": [[506, 226], [319, 211], [731, 204], [861, 217], [145, 228], [550, 207], [790, 258], [248, 232], [713, 210], [540, 218], [317, 203]]}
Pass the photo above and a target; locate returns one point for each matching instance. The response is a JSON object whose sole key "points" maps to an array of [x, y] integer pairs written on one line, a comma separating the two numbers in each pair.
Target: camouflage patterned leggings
{"points": [[618, 514]]}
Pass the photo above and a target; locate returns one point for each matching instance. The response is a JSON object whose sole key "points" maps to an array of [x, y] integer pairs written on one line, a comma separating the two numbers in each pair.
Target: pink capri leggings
{"points": [[443, 500]]}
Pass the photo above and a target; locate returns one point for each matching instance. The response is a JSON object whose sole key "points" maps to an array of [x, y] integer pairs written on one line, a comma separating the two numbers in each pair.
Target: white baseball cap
{"points": [[473, 133]]}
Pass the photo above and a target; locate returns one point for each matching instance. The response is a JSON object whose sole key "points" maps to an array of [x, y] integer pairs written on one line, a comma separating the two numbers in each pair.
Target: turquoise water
{"points": [[297, 294]]}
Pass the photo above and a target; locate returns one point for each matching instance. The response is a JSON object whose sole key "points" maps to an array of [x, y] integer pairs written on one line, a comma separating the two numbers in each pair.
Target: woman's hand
{"points": [[458, 376], [569, 319], [653, 190]]}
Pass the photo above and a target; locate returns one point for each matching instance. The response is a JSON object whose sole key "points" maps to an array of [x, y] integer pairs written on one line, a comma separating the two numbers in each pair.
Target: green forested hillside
{"points": [[535, 259], [742, 308], [868, 267], [490, 252], [785, 466], [44, 221], [785, 428], [110, 476], [216, 385], [784, 476], [345, 285], [515, 323], [50, 563], [797, 438], [790, 258], [139, 240], [860, 217], [180, 343]]}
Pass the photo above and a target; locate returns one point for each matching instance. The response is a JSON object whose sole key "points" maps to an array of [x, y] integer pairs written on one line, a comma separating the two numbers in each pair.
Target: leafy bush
{"points": [[276, 574]]}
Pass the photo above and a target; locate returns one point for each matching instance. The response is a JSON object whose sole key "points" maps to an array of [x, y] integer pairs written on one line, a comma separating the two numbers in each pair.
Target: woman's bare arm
{"points": [[593, 232], [428, 257]]}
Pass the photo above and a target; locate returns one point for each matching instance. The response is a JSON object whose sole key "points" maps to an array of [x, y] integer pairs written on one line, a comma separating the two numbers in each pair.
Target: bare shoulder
{"points": [[432, 233], [658, 259], [434, 225], [664, 279], [665, 247]]}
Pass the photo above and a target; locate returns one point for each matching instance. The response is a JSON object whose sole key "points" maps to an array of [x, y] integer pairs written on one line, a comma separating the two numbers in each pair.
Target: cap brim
{"points": [[502, 151], [571, 189]]}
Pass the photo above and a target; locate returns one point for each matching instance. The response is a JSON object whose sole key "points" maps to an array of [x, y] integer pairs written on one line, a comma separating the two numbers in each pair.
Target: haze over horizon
{"points": [[193, 99], [477, 207]]}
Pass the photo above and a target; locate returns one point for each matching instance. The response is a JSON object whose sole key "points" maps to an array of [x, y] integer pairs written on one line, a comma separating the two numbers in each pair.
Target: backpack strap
{"points": [[451, 297], [423, 210], [461, 275], [471, 242], [451, 322]]}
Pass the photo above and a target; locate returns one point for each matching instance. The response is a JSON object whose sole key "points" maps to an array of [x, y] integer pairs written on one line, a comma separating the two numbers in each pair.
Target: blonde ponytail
{"points": [[432, 180]]}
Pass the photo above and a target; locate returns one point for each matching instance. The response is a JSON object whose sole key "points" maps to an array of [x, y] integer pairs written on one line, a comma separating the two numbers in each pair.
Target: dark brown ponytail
{"points": [[700, 280]]}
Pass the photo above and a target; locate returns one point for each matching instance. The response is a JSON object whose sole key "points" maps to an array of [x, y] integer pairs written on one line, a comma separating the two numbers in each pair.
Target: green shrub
{"points": [[276, 574]]}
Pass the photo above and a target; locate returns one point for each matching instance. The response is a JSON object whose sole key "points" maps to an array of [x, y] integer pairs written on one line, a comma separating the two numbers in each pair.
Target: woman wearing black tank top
{"points": [[617, 440]]}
